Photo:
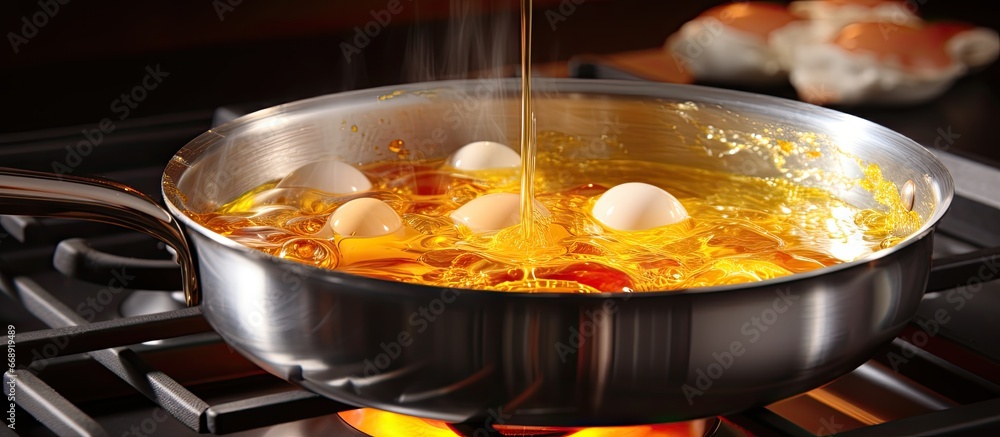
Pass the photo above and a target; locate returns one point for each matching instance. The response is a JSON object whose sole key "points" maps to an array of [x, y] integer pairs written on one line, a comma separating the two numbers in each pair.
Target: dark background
{"points": [[88, 53]]}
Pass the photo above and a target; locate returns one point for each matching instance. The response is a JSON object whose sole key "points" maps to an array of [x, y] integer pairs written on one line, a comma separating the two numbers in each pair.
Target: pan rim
{"points": [[188, 154]]}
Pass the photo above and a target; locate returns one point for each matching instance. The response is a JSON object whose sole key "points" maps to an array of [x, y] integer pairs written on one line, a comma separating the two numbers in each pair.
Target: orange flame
{"points": [[382, 423]]}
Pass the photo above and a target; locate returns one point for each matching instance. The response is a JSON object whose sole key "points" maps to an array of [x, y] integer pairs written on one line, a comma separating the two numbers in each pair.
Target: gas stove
{"points": [[105, 346]]}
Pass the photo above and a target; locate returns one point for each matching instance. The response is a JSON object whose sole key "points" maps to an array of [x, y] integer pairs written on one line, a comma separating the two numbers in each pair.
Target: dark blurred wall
{"points": [[73, 67]]}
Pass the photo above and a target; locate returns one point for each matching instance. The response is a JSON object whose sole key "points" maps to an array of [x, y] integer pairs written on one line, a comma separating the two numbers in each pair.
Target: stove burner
{"points": [[382, 423]]}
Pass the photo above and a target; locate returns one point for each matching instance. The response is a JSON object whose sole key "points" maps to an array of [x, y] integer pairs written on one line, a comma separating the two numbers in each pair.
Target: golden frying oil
{"points": [[741, 229]]}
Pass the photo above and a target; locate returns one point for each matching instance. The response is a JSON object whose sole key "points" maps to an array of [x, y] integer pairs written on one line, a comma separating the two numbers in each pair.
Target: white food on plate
{"points": [[637, 206], [329, 175], [493, 212], [827, 72], [483, 155], [833, 51], [975, 48], [826, 18], [713, 51], [789, 40], [730, 43]]}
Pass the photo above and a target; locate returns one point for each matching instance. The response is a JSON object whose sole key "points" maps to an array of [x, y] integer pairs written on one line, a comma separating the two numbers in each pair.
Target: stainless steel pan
{"points": [[521, 358]]}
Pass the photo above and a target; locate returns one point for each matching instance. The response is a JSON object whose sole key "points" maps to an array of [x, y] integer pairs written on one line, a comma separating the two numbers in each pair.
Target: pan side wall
{"points": [[572, 360]]}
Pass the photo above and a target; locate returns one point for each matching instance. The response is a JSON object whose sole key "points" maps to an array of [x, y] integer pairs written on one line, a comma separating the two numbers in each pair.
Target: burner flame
{"points": [[383, 423]]}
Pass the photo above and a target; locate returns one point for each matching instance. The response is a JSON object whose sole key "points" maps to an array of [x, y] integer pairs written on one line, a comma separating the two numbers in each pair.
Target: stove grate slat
{"points": [[259, 411], [79, 258], [761, 422], [941, 375], [104, 342], [112, 333], [50, 408], [155, 385], [972, 221], [975, 419], [955, 271], [50, 230], [45, 306], [123, 362]]}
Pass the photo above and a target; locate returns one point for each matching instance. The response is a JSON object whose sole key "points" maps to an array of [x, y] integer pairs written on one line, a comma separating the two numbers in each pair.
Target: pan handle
{"points": [[24, 192]]}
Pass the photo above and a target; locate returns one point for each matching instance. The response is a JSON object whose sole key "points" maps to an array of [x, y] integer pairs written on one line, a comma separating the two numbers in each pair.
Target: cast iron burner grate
{"points": [[136, 359]]}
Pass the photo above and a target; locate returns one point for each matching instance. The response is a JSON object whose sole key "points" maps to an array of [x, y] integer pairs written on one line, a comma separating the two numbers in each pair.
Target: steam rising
{"points": [[480, 41], [481, 38]]}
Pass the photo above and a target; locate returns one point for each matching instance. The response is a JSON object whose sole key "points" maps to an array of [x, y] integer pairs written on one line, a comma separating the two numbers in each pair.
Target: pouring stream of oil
{"points": [[527, 130]]}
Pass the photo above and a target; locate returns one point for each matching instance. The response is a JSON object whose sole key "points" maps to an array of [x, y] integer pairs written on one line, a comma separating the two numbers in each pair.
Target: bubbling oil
{"points": [[741, 228]]}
